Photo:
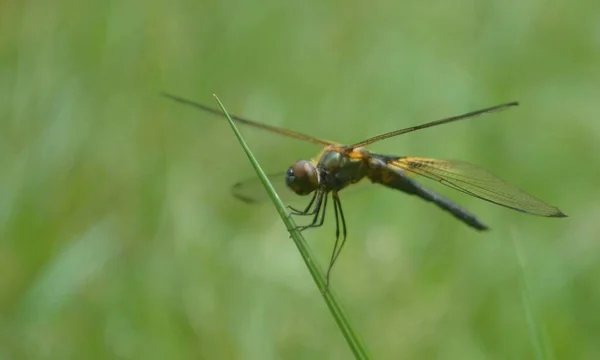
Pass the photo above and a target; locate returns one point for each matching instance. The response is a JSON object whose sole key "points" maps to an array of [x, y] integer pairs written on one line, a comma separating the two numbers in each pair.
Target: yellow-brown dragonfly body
{"points": [[339, 166]]}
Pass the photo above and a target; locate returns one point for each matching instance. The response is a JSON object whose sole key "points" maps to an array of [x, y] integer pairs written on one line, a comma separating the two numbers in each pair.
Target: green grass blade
{"points": [[539, 341], [338, 314]]}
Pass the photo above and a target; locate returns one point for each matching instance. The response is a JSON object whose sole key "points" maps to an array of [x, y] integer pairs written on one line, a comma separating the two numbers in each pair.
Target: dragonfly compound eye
{"points": [[302, 177]]}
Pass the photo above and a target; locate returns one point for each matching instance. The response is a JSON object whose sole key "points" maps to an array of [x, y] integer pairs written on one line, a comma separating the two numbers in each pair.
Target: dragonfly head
{"points": [[302, 177]]}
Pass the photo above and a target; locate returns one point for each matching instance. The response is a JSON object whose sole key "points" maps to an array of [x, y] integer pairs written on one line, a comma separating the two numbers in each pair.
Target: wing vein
{"points": [[477, 182]]}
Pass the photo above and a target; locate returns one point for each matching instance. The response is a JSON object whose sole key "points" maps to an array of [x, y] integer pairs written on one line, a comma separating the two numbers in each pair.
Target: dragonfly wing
{"points": [[252, 190], [475, 181]]}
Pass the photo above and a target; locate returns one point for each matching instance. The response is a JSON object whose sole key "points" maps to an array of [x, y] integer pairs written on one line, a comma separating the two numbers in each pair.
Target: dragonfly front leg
{"points": [[320, 208], [294, 211]]}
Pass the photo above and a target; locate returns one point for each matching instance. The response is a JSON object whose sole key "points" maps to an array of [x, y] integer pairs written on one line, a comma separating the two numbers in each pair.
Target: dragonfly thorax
{"points": [[302, 177], [338, 170]]}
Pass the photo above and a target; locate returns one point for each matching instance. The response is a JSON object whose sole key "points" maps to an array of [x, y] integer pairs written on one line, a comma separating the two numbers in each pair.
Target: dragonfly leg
{"points": [[316, 221], [306, 211], [337, 247]]}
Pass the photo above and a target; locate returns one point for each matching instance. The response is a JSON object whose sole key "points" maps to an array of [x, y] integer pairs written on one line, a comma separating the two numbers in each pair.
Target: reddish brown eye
{"points": [[302, 177]]}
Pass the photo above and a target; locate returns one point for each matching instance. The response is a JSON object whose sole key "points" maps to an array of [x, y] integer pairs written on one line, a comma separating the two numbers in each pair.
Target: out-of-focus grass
{"points": [[119, 237]]}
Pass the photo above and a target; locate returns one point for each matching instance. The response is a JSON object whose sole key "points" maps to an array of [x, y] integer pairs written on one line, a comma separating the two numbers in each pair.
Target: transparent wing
{"points": [[477, 182], [252, 191]]}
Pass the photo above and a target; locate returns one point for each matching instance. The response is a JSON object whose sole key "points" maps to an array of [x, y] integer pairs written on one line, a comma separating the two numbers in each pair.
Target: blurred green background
{"points": [[119, 237]]}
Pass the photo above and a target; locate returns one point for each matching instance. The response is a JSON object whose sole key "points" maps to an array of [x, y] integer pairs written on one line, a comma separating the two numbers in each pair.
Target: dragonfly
{"points": [[339, 166]]}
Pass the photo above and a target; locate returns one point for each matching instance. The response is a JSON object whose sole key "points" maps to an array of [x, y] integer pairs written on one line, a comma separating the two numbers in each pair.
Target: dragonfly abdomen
{"points": [[381, 173]]}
